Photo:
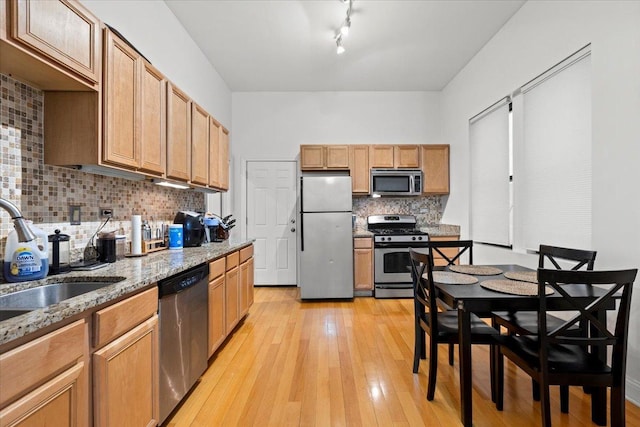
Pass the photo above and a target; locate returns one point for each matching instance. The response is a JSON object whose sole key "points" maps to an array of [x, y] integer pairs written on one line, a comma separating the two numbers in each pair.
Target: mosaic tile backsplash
{"points": [[44, 193], [428, 210]]}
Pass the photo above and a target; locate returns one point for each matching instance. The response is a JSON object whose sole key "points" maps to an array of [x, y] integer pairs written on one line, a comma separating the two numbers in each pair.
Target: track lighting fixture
{"points": [[344, 28]]}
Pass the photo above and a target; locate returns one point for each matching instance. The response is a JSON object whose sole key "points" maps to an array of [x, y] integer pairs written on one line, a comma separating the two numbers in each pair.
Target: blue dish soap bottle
{"points": [[26, 260]]}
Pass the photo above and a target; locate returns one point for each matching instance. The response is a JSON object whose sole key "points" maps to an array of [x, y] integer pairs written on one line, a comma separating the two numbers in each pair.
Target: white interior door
{"points": [[271, 220]]}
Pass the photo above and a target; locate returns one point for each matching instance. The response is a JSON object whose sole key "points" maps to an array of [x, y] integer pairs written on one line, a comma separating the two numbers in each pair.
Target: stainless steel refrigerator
{"points": [[326, 243]]}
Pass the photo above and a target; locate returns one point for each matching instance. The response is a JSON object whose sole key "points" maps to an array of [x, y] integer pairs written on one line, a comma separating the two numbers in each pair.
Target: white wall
{"points": [[155, 31], [539, 35], [272, 125]]}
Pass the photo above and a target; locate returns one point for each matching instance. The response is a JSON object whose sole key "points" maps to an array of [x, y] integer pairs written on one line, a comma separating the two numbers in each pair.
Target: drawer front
{"points": [[119, 318], [216, 268], [27, 366], [233, 260], [362, 243], [246, 253]]}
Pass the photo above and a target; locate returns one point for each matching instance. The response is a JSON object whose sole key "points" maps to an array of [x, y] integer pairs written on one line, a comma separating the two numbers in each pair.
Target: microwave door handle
{"points": [[411, 185]]}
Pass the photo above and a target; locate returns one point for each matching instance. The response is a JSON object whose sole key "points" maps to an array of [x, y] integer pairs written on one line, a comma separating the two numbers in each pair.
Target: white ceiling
{"points": [[393, 45]]}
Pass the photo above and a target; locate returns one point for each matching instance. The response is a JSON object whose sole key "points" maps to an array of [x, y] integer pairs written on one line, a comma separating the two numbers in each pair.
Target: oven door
{"points": [[391, 265]]}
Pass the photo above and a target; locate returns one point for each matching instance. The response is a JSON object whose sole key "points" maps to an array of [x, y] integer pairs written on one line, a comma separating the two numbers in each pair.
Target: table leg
{"points": [[464, 345]]}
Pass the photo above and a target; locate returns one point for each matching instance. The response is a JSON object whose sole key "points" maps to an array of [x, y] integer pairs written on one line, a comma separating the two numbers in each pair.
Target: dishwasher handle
{"points": [[183, 280]]}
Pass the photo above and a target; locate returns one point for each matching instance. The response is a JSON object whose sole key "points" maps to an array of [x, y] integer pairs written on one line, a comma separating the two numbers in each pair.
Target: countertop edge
{"points": [[136, 274]]}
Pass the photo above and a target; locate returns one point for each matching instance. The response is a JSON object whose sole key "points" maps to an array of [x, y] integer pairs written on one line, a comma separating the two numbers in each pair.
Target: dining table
{"points": [[474, 298]]}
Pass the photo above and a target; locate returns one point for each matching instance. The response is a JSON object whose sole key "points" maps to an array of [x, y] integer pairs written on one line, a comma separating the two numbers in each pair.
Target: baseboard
{"points": [[633, 391]]}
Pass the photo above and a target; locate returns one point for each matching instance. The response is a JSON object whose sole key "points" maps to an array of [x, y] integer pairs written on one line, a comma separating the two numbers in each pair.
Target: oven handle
{"points": [[400, 245], [397, 286]]}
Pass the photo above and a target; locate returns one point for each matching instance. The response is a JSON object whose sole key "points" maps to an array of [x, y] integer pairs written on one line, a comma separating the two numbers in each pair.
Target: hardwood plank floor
{"points": [[349, 363]]}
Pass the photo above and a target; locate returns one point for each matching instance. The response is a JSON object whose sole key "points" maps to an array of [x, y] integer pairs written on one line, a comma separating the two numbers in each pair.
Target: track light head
{"points": [[344, 30]]}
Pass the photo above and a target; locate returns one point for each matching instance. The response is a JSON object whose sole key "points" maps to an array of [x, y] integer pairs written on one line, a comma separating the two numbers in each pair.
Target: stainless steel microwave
{"points": [[396, 182]]}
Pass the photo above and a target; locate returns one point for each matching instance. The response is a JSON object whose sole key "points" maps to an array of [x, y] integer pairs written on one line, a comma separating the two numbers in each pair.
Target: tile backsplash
{"points": [[428, 210], [44, 193]]}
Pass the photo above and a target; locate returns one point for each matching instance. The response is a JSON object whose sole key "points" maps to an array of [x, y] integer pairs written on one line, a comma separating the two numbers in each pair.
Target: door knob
{"points": [[293, 230], [293, 220]]}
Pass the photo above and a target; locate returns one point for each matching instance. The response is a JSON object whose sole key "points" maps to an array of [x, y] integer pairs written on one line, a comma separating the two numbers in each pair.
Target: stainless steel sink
{"points": [[43, 296]]}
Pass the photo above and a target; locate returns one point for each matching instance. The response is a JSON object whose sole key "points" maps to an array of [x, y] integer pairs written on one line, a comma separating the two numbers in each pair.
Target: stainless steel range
{"points": [[393, 236]]}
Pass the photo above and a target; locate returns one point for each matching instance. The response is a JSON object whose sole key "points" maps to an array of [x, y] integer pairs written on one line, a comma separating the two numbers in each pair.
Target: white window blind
{"points": [[552, 169], [489, 143]]}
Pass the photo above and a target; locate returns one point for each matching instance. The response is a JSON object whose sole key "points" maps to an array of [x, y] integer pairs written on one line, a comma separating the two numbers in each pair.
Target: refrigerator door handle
{"points": [[301, 232]]}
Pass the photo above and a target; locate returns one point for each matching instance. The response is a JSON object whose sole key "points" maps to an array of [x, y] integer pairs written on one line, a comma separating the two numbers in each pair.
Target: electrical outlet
{"points": [[106, 212]]}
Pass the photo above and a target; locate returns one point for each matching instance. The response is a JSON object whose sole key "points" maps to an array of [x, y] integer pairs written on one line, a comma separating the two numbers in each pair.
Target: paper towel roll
{"points": [[136, 234]]}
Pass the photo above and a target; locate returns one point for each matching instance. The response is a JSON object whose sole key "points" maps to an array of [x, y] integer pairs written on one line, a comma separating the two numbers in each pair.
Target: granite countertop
{"points": [[134, 274]]}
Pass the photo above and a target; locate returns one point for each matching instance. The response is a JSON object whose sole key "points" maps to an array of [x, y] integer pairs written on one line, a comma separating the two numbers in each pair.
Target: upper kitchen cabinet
{"points": [[214, 153], [54, 45], [381, 156], [406, 156], [435, 168], [178, 134], [199, 145], [153, 120], [324, 157], [394, 156], [223, 164], [359, 168]]}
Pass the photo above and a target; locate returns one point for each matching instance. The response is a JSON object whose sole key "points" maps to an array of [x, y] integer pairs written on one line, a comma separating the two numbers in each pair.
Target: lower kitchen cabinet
{"points": [[55, 368], [217, 303], [232, 292], [363, 263], [125, 369], [450, 252], [246, 279]]}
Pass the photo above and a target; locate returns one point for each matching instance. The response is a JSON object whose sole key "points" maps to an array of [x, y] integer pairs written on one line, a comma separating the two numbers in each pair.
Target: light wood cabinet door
{"points": [[199, 145], [153, 120], [246, 286], [62, 31], [406, 156], [363, 263], [381, 156], [311, 157], [121, 106], [125, 378], [337, 156], [214, 153], [58, 401], [435, 168], [47, 379], [232, 298], [224, 159], [178, 134], [217, 326], [251, 282], [359, 169]]}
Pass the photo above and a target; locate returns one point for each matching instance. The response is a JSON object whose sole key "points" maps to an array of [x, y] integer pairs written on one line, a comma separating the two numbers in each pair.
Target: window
{"points": [[549, 163]]}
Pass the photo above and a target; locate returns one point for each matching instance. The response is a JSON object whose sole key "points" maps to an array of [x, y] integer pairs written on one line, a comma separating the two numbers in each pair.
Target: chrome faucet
{"points": [[24, 232]]}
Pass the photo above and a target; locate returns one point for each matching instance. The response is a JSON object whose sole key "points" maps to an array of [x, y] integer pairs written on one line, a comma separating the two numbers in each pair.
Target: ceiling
{"points": [[393, 45]]}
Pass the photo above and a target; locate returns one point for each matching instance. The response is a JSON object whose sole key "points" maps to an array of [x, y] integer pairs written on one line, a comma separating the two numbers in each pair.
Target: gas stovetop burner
{"points": [[396, 231]]}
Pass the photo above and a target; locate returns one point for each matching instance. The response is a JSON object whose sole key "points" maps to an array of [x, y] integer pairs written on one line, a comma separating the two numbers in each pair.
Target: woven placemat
{"points": [[514, 287], [476, 270], [453, 278], [522, 276]]}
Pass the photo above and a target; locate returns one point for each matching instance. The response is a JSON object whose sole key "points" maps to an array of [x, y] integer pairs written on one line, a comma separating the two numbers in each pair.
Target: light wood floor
{"points": [[349, 363]]}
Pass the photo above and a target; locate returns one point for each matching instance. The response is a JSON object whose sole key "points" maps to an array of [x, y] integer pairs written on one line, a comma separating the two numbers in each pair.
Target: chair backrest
{"points": [[462, 245], [554, 253], [612, 283], [423, 287]]}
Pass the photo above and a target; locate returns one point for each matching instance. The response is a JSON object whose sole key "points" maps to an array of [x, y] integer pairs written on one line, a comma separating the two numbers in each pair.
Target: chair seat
{"points": [[448, 327], [526, 322], [564, 358]]}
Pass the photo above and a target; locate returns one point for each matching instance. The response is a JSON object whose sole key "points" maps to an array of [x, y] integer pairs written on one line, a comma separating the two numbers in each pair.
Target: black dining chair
{"points": [[526, 322], [552, 357], [440, 247], [442, 327]]}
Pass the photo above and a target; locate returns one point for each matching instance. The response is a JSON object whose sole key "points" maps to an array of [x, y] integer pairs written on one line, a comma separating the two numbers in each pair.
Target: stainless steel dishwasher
{"points": [[183, 334]]}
